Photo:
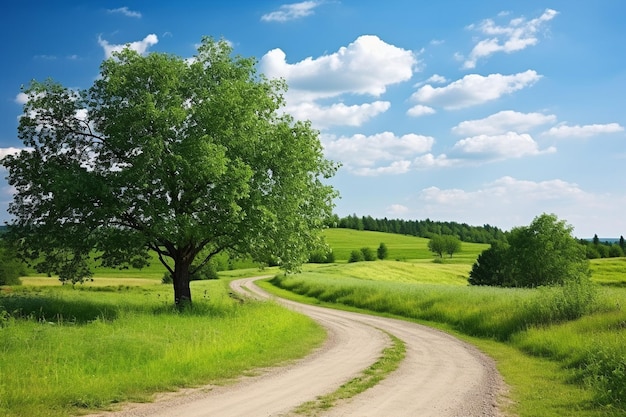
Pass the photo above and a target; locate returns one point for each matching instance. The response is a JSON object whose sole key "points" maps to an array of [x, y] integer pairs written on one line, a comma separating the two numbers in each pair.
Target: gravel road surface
{"points": [[440, 376]]}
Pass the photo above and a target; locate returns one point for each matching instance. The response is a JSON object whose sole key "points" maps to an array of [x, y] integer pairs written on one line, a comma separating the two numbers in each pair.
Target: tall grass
{"points": [[575, 325], [63, 350]]}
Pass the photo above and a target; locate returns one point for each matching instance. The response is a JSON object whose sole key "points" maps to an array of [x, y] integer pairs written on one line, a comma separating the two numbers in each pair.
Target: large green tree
{"points": [[184, 157], [543, 253]]}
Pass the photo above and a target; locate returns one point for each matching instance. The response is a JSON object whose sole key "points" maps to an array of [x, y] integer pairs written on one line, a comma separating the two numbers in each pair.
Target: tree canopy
{"points": [[543, 253], [184, 157], [440, 244]]}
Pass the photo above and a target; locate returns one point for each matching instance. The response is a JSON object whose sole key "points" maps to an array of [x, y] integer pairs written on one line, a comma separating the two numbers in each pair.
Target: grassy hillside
{"points": [[401, 247]]}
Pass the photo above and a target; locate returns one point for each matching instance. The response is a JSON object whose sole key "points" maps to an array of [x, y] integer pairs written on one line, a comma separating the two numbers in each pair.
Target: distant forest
{"points": [[420, 228]]}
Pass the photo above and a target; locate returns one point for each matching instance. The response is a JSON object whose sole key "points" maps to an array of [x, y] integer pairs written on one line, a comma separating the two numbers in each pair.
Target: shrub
{"points": [[368, 254], [544, 253], [322, 257], [382, 252], [356, 256], [489, 268]]}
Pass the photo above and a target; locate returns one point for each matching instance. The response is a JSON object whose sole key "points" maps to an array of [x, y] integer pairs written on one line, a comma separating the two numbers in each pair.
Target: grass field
{"points": [[556, 362], [401, 247], [66, 349]]}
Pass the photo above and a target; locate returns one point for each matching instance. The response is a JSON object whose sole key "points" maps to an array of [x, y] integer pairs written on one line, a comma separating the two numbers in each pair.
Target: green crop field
{"points": [[401, 247]]}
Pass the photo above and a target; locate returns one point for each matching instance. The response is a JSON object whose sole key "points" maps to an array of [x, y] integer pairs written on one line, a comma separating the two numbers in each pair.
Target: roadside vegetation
{"points": [[65, 350], [562, 349]]}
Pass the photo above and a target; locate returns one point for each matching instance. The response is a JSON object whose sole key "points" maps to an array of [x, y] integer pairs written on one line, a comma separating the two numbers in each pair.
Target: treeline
{"points": [[604, 249], [420, 228]]}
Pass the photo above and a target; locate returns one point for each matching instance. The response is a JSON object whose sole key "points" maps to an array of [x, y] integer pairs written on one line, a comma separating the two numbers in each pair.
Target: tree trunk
{"points": [[182, 291]]}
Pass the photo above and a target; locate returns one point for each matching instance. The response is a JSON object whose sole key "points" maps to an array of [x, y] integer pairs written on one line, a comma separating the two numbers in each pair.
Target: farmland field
{"points": [[51, 332]]}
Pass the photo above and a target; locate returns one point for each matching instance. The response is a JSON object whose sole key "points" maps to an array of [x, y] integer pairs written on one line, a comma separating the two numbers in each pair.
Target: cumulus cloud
{"points": [[437, 79], [140, 47], [429, 161], [21, 98], [293, 11], [420, 110], [586, 131], [382, 153], [474, 89], [126, 12], [338, 113], [366, 66], [498, 147], [502, 122], [517, 35]]}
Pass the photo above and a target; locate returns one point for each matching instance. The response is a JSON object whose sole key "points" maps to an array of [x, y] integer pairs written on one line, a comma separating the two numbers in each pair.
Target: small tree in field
{"points": [[436, 245], [185, 158], [452, 245], [543, 253], [440, 244], [382, 252]]}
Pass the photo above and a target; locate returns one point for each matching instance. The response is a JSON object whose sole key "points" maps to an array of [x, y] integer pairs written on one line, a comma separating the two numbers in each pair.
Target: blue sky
{"points": [[484, 112]]}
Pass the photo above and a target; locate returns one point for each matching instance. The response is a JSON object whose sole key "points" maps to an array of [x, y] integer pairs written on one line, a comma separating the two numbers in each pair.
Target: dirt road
{"points": [[440, 376]]}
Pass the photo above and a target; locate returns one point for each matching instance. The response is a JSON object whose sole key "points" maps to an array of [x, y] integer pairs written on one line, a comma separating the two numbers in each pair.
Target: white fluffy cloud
{"points": [[293, 11], [586, 131], [502, 122], [518, 34], [498, 147], [420, 110], [338, 113], [139, 46], [21, 98], [367, 66], [383, 153], [474, 89]]}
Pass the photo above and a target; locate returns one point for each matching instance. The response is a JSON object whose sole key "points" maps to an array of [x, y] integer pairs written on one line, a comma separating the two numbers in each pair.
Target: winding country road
{"points": [[439, 377]]}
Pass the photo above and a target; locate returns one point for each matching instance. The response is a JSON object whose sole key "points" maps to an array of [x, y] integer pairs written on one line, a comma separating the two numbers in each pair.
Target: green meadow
{"points": [[561, 350], [65, 350], [401, 247]]}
